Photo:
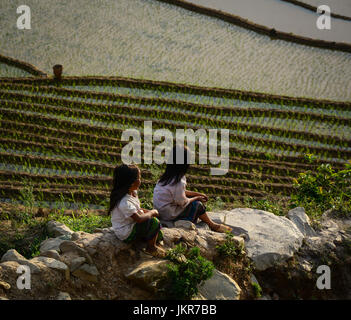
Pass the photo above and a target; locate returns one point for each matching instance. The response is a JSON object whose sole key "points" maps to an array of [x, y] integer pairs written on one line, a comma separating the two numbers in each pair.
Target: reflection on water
{"points": [[286, 17]]}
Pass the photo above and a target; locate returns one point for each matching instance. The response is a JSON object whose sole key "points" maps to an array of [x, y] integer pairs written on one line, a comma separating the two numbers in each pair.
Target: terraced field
{"points": [[148, 39], [66, 138]]}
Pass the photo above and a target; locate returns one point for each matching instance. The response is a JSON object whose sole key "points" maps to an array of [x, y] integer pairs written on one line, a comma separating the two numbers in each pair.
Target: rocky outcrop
{"points": [[285, 253], [102, 263], [329, 245], [219, 287], [299, 217], [271, 239]]}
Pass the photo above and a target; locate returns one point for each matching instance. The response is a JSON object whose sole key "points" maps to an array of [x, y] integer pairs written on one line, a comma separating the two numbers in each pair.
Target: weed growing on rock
{"points": [[257, 289], [187, 270], [229, 248]]}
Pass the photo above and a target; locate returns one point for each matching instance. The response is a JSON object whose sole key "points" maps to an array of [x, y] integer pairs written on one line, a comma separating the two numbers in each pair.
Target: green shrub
{"points": [[322, 189], [187, 270]]}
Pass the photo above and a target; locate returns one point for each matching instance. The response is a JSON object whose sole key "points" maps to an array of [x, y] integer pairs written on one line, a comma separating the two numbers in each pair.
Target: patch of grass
{"points": [[187, 270], [278, 207], [87, 223], [25, 239], [215, 204], [256, 289]]}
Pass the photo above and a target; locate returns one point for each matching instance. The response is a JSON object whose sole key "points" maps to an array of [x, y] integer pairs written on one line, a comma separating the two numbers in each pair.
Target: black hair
{"points": [[176, 171], [123, 177]]}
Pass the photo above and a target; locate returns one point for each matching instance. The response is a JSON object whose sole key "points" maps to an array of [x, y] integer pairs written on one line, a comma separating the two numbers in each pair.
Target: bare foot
{"points": [[220, 228]]}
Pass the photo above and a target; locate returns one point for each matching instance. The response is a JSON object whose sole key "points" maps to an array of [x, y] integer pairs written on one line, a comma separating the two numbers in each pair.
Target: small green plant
{"points": [[257, 289], [229, 248], [28, 199], [187, 270]]}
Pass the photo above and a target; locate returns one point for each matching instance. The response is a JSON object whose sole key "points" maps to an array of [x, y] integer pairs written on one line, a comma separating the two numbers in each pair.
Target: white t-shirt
{"points": [[122, 222], [170, 200]]}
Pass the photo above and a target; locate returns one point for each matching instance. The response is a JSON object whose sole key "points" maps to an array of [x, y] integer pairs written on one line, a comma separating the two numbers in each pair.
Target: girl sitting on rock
{"points": [[174, 202], [129, 221]]}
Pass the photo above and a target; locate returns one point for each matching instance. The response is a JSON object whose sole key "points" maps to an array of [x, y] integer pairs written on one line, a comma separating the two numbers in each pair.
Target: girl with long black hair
{"points": [[129, 221], [173, 201]]}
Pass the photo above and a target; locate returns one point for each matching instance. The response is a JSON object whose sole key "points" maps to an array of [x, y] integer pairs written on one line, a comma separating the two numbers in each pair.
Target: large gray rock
{"points": [[51, 254], [185, 224], [13, 255], [87, 272], [76, 263], [70, 246], [220, 287], [52, 264], [57, 229], [302, 221], [51, 244], [148, 274], [272, 239]]}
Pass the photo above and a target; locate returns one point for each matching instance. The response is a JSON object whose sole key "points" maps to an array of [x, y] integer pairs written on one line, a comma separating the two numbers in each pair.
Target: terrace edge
{"points": [[314, 9], [22, 65], [174, 86], [271, 32]]}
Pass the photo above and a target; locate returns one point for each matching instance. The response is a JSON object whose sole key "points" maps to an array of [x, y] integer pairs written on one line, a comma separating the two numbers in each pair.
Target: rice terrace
{"points": [[285, 99]]}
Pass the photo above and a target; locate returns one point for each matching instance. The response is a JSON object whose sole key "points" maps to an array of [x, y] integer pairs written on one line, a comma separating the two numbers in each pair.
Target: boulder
{"points": [[272, 239], [76, 263], [70, 246], [51, 254], [13, 255], [57, 229], [51, 244], [52, 264], [302, 221], [148, 274], [87, 272], [167, 224], [185, 224], [220, 287]]}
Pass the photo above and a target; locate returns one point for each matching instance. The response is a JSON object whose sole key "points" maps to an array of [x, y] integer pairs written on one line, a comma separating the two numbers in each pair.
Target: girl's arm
{"points": [[195, 194], [138, 218]]}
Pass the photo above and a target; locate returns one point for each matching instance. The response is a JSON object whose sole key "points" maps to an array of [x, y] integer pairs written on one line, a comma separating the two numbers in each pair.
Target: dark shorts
{"points": [[146, 230], [192, 211]]}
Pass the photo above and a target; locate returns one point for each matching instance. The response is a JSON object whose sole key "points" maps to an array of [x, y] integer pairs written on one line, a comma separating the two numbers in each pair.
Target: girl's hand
{"points": [[153, 213], [199, 198], [204, 196]]}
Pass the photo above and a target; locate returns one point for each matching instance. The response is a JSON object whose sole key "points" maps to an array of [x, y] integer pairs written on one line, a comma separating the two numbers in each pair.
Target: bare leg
{"points": [[205, 218], [214, 226], [151, 244], [153, 248]]}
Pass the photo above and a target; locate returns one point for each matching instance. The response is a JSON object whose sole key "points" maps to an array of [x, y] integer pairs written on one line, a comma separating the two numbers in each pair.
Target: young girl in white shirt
{"points": [[129, 221], [174, 202]]}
